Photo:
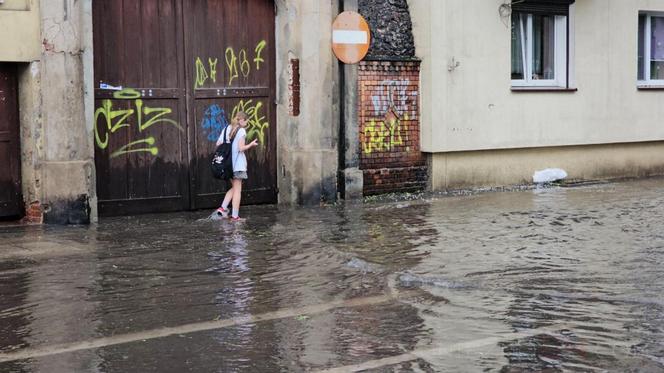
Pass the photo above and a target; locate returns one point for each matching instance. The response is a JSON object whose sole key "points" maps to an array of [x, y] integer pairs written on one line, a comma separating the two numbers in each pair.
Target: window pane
{"points": [[657, 48], [642, 47], [517, 46], [544, 44]]}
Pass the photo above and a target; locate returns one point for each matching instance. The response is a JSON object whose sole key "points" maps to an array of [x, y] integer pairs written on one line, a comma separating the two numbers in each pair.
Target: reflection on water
{"points": [[586, 262]]}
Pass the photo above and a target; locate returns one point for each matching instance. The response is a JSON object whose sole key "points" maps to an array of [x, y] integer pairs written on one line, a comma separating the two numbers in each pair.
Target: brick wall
{"points": [[389, 115]]}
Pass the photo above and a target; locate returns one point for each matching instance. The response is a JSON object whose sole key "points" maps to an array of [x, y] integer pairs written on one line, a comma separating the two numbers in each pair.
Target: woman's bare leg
{"points": [[227, 198], [237, 195]]}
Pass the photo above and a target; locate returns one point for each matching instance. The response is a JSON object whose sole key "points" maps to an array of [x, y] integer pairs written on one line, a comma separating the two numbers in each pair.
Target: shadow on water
{"points": [[585, 261]]}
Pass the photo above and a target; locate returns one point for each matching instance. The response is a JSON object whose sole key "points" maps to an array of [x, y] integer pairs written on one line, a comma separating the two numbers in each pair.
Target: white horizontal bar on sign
{"points": [[349, 37]]}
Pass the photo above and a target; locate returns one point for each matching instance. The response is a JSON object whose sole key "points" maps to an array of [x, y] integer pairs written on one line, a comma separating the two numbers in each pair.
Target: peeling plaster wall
{"points": [[56, 115], [67, 145], [31, 131], [308, 144]]}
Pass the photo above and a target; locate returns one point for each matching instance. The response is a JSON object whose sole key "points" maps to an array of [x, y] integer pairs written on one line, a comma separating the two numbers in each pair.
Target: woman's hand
{"points": [[244, 146]]}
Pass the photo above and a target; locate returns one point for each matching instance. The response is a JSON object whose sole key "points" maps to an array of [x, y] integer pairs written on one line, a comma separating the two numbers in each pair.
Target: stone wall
{"points": [[307, 150], [391, 160], [391, 29], [55, 97]]}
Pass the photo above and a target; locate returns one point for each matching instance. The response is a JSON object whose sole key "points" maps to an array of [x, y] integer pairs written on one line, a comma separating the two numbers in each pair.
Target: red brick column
{"points": [[389, 115], [34, 213]]}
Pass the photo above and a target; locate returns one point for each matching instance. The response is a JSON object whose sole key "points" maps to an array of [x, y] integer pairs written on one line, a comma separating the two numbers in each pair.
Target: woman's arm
{"points": [[220, 140], [242, 146]]}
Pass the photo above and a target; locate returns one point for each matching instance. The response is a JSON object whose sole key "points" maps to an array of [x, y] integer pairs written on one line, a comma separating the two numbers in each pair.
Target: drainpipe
{"points": [[350, 176]]}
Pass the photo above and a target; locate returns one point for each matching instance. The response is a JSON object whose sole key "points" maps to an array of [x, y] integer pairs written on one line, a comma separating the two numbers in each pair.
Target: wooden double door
{"points": [[169, 76]]}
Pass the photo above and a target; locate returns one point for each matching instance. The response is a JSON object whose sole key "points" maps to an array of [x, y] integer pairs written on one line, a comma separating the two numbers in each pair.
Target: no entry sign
{"points": [[350, 37]]}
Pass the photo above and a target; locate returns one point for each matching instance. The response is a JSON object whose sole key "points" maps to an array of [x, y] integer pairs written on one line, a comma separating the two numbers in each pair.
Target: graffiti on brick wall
{"points": [[237, 62], [116, 119], [383, 135], [396, 94], [391, 101]]}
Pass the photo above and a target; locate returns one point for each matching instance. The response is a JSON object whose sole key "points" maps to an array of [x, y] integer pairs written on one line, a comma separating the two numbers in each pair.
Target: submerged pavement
{"points": [[560, 279]]}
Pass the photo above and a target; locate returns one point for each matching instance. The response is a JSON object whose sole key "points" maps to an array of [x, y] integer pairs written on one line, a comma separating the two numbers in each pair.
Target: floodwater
{"points": [[559, 279]]}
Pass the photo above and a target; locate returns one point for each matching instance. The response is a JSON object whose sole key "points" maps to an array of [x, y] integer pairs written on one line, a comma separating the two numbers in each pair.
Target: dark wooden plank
{"points": [[185, 161], [135, 49], [244, 92], [108, 60], [152, 42], [169, 62], [139, 206], [145, 93], [133, 38]]}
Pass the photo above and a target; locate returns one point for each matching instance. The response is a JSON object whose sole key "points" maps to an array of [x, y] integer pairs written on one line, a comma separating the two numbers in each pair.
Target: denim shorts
{"points": [[242, 175]]}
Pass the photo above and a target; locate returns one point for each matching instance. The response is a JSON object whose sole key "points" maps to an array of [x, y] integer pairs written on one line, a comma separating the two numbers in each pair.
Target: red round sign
{"points": [[350, 37]]}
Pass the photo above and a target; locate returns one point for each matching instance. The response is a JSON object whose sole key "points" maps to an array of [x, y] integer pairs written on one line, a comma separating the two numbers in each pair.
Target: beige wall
{"points": [[473, 108], [20, 39], [488, 168], [55, 100], [307, 153]]}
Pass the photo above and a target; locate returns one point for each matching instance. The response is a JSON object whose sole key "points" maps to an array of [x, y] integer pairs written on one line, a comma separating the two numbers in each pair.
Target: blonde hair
{"points": [[239, 115]]}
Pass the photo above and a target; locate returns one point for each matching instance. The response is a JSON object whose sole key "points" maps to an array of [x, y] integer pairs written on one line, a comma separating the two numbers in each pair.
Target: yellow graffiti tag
{"points": [[231, 63], [381, 136], [256, 125], [128, 148], [245, 67], [109, 114], [213, 69], [157, 118], [259, 49], [115, 119], [237, 62], [201, 74], [127, 94]]}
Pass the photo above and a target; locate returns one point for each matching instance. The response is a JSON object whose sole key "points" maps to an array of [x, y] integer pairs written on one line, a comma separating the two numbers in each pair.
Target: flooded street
{"points": [[560, 279]]}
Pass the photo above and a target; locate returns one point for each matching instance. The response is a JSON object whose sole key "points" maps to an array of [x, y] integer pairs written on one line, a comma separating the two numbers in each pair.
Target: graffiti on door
{"points": [[202, 74], [116, 119], [214, 121], [237, 63], [257, 123]]}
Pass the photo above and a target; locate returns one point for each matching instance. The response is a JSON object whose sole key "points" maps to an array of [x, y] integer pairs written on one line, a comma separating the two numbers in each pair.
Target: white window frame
{"points": [[560, 55], [647, 38]]}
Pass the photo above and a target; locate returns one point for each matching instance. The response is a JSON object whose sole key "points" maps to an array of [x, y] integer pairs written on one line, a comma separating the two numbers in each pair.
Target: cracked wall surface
{"points": [[307, 144], [55, 108]]}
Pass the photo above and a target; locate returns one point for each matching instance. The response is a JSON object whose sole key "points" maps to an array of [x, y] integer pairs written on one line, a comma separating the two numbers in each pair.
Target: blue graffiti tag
{"points": [[214, 121]]}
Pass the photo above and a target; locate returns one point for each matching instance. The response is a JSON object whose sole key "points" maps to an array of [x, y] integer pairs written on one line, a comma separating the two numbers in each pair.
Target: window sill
{"points": [[647, 87], [543, 89]]}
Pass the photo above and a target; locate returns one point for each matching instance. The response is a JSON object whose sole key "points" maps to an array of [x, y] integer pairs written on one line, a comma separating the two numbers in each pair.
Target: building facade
{"points": [[118, 103], [113, 107], [511, 89]]}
